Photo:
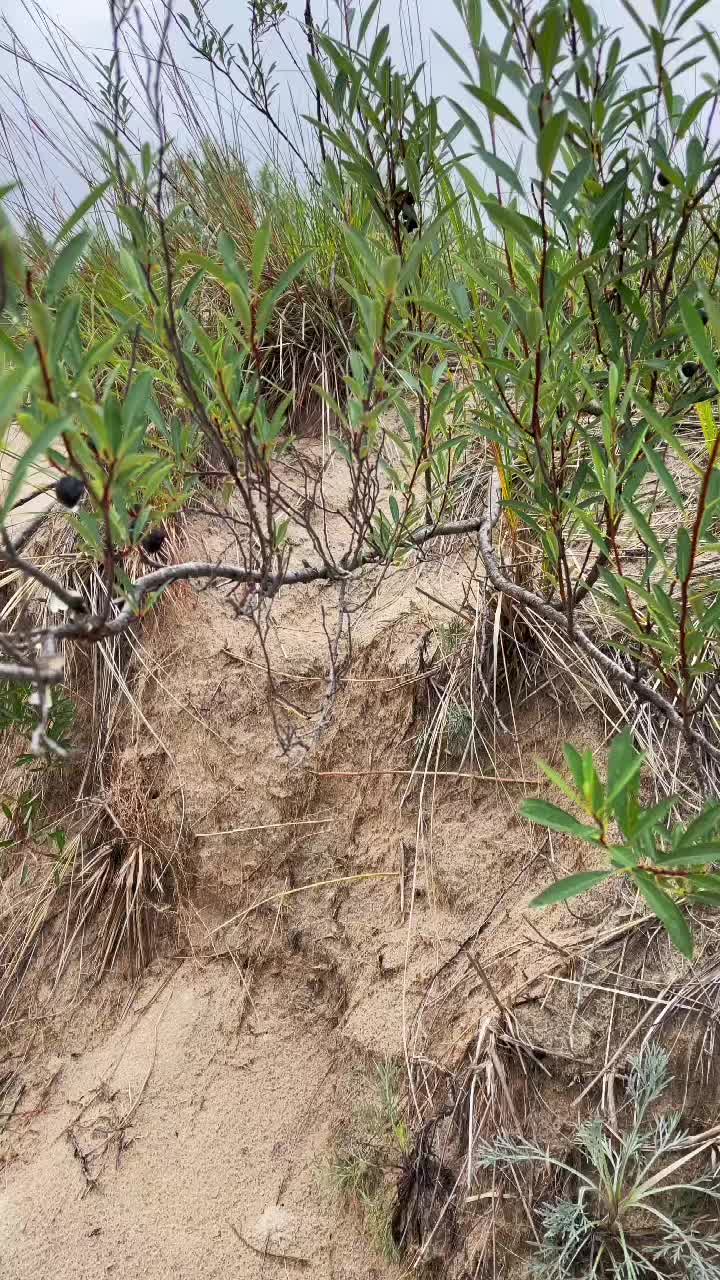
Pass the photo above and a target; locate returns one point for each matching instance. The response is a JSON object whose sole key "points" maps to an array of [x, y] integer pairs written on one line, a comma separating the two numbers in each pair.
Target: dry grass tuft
{"points": [[85, 873]]}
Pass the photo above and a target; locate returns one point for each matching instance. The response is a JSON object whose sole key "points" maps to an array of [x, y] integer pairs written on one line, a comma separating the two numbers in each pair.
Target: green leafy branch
{"points": [[668, 865]]}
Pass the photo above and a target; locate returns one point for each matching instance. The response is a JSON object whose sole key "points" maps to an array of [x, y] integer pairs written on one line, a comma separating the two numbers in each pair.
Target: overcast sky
{"points": [[28, 111]]}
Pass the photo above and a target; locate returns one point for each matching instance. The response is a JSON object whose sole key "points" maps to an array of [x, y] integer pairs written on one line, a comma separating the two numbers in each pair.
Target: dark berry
{"points": [[69, 490], [689, 368], [153, 541], [403, 198], [661, 180]]}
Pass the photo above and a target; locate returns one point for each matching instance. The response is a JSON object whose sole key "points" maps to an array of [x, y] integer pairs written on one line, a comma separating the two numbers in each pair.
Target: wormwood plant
{"points": [[642, 1202], [533, 284]]}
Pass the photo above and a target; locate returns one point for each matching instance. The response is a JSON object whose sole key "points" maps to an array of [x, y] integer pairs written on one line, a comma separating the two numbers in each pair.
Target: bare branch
{"points": [[44, 671]]}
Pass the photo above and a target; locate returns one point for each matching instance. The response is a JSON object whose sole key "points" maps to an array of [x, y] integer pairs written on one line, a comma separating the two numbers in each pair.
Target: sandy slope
{"points": [[181, 1128], [201, 1128]]}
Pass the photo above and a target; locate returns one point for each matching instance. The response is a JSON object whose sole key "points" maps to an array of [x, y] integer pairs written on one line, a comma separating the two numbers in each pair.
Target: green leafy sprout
{"points": [[668, 865]]}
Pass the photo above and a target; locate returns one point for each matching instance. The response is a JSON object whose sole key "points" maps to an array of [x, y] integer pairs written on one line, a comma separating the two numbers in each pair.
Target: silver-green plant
{"points": [[644, 1202]]}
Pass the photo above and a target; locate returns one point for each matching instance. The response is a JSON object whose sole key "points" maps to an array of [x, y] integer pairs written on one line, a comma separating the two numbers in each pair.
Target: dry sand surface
{"points": [[204, 1131]]}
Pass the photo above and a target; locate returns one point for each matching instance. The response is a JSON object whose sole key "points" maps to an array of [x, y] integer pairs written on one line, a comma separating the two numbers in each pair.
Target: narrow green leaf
{"points": [[575, 764], [470, 124], [690, 855], [636, 17], [510, 220], [282, 284], [112, 417], [692, 111], [549, 38], [366, 19], [653, 816], [550, 815], [684, 554], [624, 764], [379, 48], [260, 248], [707, 422], [65, 322], [570, 887], [702, 826], [322, 80], [13, 388], [667, 911], [624, 857], [583, 15], [666, 430], [645, 530], [461, 298], [473, 16], [493, 105], [575, 797], [593, 790], [84, 207], [189, 289], [137, 398], [100, 353], [688, 12], [572, 184], [504, 172], [695, 330], [704, 897], [548, 143], [9, 349], [64, 265], [664, 476], [452, 53], [709, 879]]}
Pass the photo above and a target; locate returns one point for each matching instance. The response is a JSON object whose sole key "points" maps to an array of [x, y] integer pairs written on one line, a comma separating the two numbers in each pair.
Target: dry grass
{"points": [[91, 877]]}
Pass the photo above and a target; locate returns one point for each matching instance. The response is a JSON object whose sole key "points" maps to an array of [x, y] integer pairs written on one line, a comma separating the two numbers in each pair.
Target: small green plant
{"points": [[458, 728], [450, 636], [19, 712], [669, 865], [389, 1109], [23, 810], [641, 1203], [21, 813], [375, 1142]]}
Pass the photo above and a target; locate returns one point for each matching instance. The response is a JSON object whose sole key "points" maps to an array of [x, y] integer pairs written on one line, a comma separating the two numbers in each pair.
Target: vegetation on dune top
{"points": [[538, 322], [510, 294]]}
